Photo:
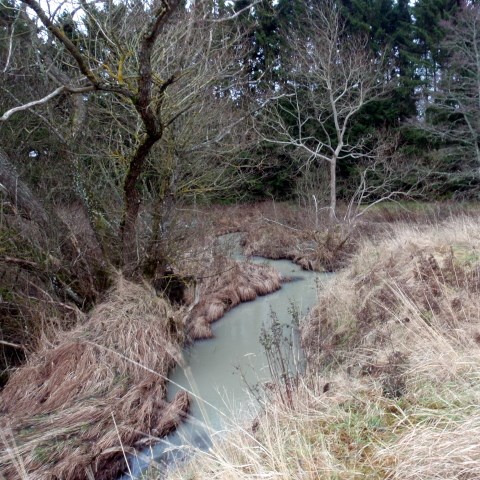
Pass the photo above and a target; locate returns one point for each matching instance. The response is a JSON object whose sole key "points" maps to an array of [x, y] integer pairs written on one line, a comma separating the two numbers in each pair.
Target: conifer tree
{"points": [[388, 25], [430, 21]]}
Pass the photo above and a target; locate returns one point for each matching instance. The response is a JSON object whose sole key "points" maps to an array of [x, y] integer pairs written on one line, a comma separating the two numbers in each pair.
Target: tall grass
{"points": [[94, 390], [393, 388]]}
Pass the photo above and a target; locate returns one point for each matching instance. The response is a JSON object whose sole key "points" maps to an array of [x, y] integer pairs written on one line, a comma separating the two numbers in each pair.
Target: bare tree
{"points": [[386, 173], [333, 77], [144, 86]]}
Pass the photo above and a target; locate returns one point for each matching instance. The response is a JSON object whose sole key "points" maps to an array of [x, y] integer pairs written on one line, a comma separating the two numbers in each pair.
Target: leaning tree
{"points": [[137, 76]]}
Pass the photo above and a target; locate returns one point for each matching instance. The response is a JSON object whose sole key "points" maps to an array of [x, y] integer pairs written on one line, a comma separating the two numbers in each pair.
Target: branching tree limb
{"points": [[144, 93], [141, 91], [41, 101]]}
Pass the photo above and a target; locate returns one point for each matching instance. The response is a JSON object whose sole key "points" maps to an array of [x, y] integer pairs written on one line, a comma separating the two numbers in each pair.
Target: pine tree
{"points": [[388, 25], [429, 26], [260, 24]]}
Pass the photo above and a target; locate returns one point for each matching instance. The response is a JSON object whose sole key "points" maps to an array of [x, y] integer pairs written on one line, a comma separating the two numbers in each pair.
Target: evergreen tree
{"points": [[388, 25], [454, 115], [430, 20]]}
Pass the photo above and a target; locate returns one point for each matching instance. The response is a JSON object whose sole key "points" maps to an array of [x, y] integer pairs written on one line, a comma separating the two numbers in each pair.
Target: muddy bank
{"points": [[66, 413]]}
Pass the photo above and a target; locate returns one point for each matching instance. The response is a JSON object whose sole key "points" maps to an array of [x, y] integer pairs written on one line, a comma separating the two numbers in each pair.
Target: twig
{"points": [[27, 264], [121, 445], [13, 345]]}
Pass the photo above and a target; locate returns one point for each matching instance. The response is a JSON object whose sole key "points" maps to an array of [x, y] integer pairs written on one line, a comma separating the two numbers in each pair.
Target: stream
{"points": [[220, 373]]}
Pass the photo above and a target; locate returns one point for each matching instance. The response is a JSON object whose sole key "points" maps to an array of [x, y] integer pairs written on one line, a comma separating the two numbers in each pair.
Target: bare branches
{"points": [[333, 77], [143, 102], [10, 43], [160, 75], [69, 45], [383, 174], [47, 98], [237, 13]]}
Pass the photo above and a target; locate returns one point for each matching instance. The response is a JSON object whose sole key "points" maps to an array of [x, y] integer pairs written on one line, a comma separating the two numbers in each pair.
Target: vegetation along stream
{"points": [[222, 373]]}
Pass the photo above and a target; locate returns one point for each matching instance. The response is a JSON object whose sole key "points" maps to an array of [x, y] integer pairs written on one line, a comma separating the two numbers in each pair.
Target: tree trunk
{"points": [[132, 197], [333, 189]]}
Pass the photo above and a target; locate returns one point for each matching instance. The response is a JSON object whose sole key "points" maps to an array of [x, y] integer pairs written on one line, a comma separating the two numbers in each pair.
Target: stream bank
{"points": [[220, 373], [392, 388]]}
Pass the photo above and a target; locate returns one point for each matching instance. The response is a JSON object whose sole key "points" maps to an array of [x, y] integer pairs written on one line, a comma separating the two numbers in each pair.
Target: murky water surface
{"points": [[221, 372]]}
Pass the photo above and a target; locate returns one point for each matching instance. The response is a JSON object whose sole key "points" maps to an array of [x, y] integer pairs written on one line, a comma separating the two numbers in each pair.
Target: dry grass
{"points": [[229, 284], [57, 409], [394, 384], [30, 305], [69, 410], [354, 431], [434, 269], [287, 231], [393, 350]]}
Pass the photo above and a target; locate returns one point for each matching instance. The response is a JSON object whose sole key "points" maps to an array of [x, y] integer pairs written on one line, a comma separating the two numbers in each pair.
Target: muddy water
{"points": [[221, 372]]}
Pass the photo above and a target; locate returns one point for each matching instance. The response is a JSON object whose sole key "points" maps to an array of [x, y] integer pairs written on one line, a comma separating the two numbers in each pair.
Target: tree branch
{"points": [[69, 45], [143, 103], [45, 99], [79, 57]]}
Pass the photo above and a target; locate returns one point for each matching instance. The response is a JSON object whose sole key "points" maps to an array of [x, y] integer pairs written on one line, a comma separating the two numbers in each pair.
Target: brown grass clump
{"points": [[200, 329], [233, 283], [287, 231], [325, 250], [68, 412], [49, 278], [434, 270]]}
